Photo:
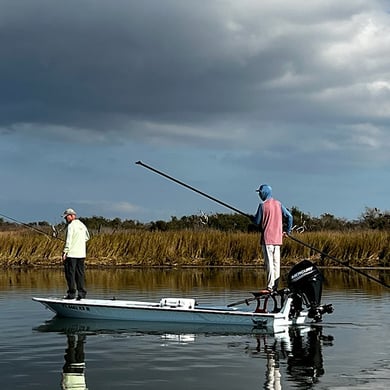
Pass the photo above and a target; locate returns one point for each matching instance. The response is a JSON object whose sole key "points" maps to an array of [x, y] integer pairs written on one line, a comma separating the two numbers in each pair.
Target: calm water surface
{"points": [[349, 350]]}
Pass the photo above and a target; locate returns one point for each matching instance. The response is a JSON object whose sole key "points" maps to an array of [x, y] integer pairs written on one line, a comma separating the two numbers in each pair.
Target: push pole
{"points": [[192, 188], [323, 254]]}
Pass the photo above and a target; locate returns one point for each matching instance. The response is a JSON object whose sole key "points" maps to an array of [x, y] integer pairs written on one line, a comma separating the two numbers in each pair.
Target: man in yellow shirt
{"points": [[74, 254]]}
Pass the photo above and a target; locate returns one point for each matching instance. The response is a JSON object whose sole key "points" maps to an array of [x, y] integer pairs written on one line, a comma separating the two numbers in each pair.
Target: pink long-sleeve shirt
{"points": [[271, 223]]}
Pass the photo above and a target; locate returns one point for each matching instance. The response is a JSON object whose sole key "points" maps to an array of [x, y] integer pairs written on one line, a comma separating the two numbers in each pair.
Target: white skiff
{"points": [[289, 306], [174, 310]]}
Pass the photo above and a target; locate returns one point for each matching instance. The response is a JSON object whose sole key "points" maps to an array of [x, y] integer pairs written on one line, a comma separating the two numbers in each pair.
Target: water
{"points": [[349, 350]]}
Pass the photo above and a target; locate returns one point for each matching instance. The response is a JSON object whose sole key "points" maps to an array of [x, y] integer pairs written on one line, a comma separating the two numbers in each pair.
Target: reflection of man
{"points": [[303, 350], [73, 371], [273, 377]]}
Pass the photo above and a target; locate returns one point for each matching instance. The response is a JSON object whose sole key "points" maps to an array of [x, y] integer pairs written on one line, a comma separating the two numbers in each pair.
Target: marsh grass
{"points": [[196, 248], [184, 247]]}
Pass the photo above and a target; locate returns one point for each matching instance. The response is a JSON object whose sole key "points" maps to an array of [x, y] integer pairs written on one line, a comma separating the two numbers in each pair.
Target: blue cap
{"points": [[265, 191]]}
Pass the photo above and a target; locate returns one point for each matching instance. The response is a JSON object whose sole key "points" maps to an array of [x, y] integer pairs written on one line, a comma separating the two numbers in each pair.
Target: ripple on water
{"points": [[354, 355]]}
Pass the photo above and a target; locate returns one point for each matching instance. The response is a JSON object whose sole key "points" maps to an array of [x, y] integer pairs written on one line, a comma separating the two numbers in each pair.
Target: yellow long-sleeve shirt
{"points": [[76, 237]]}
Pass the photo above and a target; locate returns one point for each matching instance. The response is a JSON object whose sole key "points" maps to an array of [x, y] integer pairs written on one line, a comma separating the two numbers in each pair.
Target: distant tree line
{"points": [[371, 218]]}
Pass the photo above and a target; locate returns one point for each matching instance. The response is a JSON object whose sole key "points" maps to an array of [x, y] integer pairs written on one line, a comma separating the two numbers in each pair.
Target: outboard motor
{"points": [[305, 283]]}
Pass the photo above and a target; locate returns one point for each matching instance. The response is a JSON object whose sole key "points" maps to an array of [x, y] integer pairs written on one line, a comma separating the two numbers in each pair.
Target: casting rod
{"points": [[30, 227]]}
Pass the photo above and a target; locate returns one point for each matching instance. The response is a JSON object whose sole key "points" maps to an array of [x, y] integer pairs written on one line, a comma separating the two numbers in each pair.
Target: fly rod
{"points": [[192, 188], [31, 227], [323, 254]]}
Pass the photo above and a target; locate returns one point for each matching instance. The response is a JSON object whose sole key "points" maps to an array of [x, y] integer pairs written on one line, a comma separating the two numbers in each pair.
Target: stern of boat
{"points": [[305, 283]]}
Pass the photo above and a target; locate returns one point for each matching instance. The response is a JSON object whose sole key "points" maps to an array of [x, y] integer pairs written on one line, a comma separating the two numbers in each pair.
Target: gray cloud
{"points": [[225, 74]]}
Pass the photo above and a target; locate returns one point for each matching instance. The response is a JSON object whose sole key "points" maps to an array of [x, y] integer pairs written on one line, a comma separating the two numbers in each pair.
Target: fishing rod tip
{"points": [[139, 162]]}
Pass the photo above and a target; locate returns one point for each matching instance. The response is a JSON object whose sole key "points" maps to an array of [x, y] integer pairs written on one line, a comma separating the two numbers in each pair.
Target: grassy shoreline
{"points": [[193, 248]]}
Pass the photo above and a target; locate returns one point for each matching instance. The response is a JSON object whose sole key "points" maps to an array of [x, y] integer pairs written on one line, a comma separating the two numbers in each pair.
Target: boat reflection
{"points": [[301, 350], [297, 349], [305, 364], [93, 326]]}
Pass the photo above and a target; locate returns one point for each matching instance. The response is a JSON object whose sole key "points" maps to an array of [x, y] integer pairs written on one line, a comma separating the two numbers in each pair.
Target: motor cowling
{"points": [[305, 283]]}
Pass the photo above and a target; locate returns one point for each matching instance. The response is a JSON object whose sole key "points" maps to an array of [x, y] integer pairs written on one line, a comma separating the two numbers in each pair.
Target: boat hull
{"points": [[168, 310]]}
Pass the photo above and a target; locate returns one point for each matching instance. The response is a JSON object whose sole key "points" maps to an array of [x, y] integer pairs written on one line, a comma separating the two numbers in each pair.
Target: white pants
{"points": [[271, 255]]}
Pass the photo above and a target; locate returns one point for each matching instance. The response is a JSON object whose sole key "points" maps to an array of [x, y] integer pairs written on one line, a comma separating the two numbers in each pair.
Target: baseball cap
{"points": [[262, 186], [69, 212]]}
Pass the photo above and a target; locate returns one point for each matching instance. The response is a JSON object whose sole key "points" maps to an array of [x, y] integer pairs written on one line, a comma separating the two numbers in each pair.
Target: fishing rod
{"points": [[192, 188], [31, 227], [323, 254], [343, 263]]}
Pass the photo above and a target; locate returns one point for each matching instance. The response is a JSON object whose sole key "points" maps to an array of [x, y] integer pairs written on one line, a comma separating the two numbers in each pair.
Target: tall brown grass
{"points": [[196, 248]]}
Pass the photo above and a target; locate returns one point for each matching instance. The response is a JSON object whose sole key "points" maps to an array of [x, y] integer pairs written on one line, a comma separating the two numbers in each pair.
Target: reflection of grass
{"points": [[184, 282], [195, 247]]}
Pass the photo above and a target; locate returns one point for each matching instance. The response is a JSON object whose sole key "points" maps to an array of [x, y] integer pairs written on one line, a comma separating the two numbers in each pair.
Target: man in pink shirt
{"points": [[270, 216]]}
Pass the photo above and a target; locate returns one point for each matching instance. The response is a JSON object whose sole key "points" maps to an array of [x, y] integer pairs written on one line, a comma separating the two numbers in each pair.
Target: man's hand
{"points": [[64, 256]]}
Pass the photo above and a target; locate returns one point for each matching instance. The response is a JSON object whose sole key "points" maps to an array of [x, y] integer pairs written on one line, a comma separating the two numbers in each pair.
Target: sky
{"points": [[223, 95]]}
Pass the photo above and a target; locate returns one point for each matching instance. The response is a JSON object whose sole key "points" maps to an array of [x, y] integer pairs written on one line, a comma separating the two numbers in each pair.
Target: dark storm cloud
{"points": [[67, 62], [193, 72], [224, 93]]}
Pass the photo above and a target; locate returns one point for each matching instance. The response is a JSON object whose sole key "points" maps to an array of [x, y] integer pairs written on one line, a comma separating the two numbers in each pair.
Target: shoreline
{"points": [[187, 266], [206, 248]]}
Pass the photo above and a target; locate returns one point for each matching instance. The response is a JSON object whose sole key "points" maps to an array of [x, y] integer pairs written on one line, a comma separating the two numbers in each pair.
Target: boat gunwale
{"points": [[119, 304]]}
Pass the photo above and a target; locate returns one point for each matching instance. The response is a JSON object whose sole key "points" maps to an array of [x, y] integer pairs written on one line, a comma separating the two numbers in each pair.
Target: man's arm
{"points": [[67, 242], [288, 216], [259, 214]]}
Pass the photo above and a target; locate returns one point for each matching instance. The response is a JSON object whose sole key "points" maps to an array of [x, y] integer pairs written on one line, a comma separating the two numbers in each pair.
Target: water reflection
{"points": [[294, 355], [182, 279], [305, 364], [163, 329], [301, 349], [73, 371]]}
